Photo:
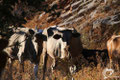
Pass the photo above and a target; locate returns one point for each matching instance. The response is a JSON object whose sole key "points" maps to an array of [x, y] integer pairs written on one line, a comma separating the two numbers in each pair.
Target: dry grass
{"points": [[86, 71]]}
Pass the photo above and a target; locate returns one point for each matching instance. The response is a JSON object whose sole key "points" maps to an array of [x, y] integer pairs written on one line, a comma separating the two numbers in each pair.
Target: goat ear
{"points": [[57, 36], [75, 34], [50, 32], [31, 31]]}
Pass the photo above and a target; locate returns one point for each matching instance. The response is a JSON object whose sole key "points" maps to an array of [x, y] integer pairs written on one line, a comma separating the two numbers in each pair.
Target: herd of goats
{"points": [[29, 44]]}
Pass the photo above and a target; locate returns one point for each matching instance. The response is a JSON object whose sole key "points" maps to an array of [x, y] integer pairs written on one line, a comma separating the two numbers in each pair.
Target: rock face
{"points": [[94, 19]]}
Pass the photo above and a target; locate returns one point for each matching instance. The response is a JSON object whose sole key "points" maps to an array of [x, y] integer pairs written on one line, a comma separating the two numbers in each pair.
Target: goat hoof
{"points": [[52, 69], [72, 69]]}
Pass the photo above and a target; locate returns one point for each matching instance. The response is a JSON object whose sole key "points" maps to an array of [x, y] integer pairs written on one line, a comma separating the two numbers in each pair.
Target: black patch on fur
{"points": [[76, 34], [41, 36], [31, 31], [57, 36]]}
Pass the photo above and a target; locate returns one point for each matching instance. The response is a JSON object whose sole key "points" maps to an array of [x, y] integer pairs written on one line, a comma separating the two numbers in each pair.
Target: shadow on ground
{"points": [[90, 58]]}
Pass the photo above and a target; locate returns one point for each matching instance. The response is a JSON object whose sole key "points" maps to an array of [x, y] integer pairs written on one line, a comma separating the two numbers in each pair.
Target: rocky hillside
{"points": [[96, 20]]}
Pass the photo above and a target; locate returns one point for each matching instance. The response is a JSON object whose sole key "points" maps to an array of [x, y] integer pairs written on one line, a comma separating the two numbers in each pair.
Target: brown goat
{"points": [[113, 46]]}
